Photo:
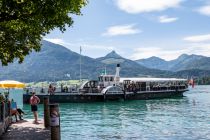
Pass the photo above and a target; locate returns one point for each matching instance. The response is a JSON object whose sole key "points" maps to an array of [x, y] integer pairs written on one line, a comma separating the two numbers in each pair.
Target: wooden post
{"points": [[3, 111], [55, 122], [46, 112], [124, 94], [104, 96]]}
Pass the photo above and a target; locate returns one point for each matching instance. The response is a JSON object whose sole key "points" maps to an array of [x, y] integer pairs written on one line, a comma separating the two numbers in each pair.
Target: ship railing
{"points": [[45, 90], [157, 88], [89, 90], [114, 92]]}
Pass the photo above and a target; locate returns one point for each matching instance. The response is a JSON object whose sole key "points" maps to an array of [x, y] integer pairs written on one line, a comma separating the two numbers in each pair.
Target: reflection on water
{"points": [[176, 118]]}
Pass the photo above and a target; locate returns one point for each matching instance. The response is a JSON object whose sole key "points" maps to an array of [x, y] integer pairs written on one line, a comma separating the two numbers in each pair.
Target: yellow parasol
{"points": [[11, 84]]}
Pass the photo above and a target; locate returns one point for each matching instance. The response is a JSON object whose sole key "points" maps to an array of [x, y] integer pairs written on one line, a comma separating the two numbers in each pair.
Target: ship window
{"points": [[106, 79], [100, 79]]}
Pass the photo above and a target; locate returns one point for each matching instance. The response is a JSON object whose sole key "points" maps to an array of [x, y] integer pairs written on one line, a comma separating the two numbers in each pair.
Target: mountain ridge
{"points": [[183, 62], [55, 62]]}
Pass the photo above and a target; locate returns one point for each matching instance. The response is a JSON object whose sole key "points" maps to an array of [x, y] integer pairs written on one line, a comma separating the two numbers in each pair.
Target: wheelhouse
{"points": [[106, 80]]}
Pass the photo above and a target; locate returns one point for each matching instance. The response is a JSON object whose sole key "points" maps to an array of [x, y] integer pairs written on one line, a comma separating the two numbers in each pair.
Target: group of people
{"points": [[15, 111], [51, 89], [18, 113], [64, 89]]}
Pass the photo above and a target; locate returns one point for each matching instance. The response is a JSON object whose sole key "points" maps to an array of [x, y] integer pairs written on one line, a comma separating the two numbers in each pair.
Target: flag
{"points": [[192, 82], [80, 49]]}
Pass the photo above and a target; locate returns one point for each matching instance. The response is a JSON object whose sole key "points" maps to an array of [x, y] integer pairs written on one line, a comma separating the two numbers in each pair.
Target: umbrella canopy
{"points": [[11, 84]]}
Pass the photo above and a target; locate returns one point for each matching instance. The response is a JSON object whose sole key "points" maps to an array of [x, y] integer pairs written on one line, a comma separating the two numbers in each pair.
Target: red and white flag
{"points": [[192, 82]]}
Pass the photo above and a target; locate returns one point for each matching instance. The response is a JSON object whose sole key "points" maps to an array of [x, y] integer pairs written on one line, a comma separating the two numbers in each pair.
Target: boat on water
{"points": [[114, 87]]}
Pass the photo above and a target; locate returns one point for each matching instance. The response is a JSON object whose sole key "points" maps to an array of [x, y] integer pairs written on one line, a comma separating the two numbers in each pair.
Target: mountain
{"points": [[196, 73], [129, 68], [183, 62], [154, 62], [190, 62], [53, 62]]}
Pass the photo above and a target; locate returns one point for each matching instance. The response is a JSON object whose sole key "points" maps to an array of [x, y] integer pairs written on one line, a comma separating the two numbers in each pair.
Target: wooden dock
{"points": [[25, 130]]}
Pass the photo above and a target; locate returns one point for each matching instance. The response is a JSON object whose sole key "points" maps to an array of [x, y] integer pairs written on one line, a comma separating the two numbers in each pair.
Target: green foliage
{"points": [[23, 23], [203, 81]]}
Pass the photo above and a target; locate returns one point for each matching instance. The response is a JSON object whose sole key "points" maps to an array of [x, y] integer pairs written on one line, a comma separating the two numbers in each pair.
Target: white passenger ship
{"points": [[113, 87]]}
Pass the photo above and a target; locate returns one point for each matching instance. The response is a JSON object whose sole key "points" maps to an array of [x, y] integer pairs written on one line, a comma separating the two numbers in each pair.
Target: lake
{"points": [[185, 118]]}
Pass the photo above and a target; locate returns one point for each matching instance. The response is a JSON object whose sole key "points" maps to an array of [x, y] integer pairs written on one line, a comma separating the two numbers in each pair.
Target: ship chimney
{"points": [[117, 75]]}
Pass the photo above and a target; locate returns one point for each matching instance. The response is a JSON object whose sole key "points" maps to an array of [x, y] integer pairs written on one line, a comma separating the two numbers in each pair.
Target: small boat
{"points": [[114, 87]]}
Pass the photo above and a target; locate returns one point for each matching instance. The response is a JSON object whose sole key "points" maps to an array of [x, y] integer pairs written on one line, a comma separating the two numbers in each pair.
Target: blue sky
{"points": [[138, 29]]}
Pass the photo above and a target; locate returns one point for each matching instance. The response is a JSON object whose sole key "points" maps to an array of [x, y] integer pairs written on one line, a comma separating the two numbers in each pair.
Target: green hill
{"points": [[55, 62]]}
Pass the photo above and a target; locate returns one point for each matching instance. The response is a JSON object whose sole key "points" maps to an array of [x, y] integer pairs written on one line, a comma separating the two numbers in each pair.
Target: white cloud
{"points": [[140, 53], [166, 19], [168, 54], [121, 30], [98, 50], [198, 38], [141, 6], [205, 10], [200, 49]]}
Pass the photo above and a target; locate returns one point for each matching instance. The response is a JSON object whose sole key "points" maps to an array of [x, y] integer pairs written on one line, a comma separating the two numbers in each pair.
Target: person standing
{"points": [[34, 101]]}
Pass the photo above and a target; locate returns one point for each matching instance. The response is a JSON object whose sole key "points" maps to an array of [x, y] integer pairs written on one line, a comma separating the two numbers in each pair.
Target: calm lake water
{"points": [[186, 118]]}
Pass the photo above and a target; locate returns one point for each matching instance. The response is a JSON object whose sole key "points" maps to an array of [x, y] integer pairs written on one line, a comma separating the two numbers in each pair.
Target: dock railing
{"points": [[4, 110], [4, 116]]}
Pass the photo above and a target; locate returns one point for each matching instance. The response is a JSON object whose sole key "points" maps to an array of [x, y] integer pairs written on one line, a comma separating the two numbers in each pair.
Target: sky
{"points": [[138, 29]]}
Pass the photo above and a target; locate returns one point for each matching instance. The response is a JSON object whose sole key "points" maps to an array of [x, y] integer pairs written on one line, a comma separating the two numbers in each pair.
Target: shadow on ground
{"points": [[26, 130]]}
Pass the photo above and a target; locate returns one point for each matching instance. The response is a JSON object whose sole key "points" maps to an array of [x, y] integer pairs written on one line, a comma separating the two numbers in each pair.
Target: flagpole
{"points": [[80, 63]]}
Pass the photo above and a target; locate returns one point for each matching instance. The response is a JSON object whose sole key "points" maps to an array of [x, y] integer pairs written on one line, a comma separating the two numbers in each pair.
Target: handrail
{"points": [[4, 110], [155, 88], [1, 112]]}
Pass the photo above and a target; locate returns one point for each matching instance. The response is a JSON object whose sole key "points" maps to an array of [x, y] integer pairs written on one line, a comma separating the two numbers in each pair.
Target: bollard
{"points": [[46, 112], [124, 95], [55, 122], [104, 96]]}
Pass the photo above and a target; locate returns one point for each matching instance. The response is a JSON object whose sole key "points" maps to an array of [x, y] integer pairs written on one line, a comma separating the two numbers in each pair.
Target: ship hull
{"points": [[98, 97]]}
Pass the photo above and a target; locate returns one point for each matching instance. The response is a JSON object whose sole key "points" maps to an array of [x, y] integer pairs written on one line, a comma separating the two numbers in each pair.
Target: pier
{"points": [[46, 129], [26, 129]]}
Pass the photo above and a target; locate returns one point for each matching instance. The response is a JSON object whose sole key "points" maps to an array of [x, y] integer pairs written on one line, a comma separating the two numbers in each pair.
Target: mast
{"points": [[80, 68], [105, 70]]}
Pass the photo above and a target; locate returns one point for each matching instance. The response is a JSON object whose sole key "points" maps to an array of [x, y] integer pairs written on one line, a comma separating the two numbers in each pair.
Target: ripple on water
{"points": [[175, 118]]}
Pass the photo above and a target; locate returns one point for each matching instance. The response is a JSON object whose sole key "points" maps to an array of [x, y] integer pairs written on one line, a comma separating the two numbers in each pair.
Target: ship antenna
{"points": [[80, 67]]}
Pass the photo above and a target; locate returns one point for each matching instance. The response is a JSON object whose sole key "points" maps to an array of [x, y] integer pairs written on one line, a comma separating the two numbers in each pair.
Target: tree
{"points": [[23, 23]]}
